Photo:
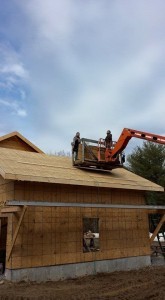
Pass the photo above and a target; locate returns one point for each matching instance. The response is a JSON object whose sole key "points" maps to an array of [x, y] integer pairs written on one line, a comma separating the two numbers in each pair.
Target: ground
{"points": [[147, 283]]}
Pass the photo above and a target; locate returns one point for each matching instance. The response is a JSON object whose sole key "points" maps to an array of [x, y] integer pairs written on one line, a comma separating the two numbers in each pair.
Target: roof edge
{"points": [[18, 177]]}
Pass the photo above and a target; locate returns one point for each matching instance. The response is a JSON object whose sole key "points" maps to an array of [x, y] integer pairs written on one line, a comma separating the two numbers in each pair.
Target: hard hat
{"points": [[108, 131]]}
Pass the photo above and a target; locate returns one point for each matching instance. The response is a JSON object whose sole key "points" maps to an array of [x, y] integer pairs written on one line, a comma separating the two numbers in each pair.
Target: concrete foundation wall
{"points": [[60, 272]]}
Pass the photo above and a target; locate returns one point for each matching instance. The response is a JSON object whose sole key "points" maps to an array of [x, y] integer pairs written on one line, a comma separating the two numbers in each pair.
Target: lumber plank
{"points": [[16, 231], [10, 209], [157, 228]]}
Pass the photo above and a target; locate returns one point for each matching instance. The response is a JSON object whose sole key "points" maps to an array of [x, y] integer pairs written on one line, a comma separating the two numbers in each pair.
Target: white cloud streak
{"points": [[13, 107], [14, 69]]}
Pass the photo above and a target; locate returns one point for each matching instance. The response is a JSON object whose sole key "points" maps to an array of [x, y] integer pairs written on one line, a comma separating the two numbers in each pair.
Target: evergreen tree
{"points": [[148, 161]]}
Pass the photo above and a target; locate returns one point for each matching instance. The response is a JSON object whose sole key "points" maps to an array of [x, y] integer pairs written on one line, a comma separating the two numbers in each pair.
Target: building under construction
{"points": [[48, 207]]}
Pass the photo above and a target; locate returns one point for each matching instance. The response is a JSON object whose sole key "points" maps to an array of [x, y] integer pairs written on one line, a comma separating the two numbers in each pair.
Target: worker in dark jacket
{"points": [[108, 140], [75, 145]]}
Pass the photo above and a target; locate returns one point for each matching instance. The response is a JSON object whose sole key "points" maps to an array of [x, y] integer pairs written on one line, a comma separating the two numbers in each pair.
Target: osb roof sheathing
{"points": [[21, 137], [29, 166]]}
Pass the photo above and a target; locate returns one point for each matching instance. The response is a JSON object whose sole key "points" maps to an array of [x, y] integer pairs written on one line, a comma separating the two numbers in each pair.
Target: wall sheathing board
{"points": [[6, 191], [15, 143], [53, 235]]}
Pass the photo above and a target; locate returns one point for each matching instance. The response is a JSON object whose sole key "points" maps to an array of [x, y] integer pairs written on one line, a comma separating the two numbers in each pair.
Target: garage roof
{"points": [[38, 167]]}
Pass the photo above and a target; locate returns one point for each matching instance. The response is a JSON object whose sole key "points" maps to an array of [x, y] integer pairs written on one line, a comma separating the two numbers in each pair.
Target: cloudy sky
{"points": [[87, 66]]}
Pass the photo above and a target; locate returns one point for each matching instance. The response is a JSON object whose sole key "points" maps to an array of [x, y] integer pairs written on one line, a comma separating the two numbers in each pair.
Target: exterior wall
{"points": [[51, 236], [16, 143], [6, 190]]}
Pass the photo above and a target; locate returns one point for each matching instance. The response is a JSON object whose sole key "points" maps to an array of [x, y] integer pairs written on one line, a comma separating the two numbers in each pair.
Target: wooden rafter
{"points": [[16, 231]]}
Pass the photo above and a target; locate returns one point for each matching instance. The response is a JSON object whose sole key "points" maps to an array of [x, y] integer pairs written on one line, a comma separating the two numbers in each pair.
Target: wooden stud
{"points": [[157, 228], [16, 231]]}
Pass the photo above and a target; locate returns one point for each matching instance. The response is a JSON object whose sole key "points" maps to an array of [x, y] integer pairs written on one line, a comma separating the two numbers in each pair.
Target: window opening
{"points": [[90, 234]]}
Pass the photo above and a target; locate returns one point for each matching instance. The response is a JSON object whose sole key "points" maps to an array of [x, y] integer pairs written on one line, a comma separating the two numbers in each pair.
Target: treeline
{"points": [[60, 153]]}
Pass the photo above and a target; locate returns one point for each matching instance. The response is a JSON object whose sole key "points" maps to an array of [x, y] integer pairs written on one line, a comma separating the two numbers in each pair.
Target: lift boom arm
{"points": [[127, 134], [94, 155]]}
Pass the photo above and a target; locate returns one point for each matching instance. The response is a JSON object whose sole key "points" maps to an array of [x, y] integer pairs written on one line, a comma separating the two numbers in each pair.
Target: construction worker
{"points": [[122, 157], [88, 241], [91, 236], [75, 145], [108, 140]]}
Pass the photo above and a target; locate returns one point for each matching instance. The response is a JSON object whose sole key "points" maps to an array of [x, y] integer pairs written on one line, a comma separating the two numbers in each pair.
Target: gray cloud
{"points": [[91, 66]]}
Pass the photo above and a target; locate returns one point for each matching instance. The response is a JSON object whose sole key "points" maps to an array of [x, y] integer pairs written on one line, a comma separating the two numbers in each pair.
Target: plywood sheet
{"points": [[15, 140], [28, 166]]}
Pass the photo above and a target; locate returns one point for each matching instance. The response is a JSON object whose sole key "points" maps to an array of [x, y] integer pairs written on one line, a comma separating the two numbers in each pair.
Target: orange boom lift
{"points": [[94, 155]]}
